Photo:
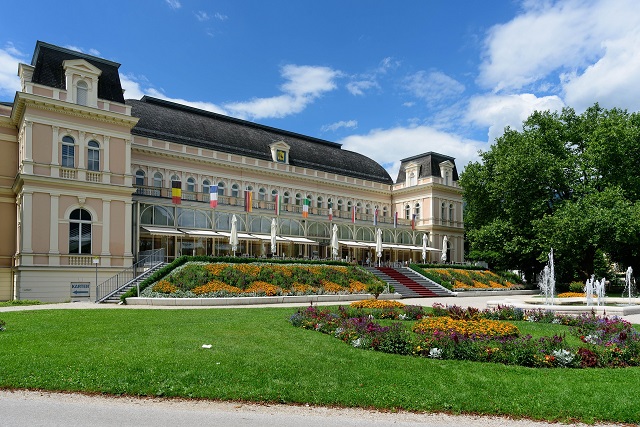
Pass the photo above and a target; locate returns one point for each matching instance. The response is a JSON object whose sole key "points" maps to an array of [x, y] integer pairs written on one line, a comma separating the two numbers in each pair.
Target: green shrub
{"points": [[576, 286]]}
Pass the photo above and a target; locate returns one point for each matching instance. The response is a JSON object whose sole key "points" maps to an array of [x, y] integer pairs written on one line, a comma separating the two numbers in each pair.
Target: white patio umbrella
{"points": [[233, 239], [425, 243], [274, 227], [443, 257], [379, 245], [334, 242]]}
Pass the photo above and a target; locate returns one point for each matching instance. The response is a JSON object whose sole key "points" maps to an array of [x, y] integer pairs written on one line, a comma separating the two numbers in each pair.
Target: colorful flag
{"points": [[277, 204], [375, 216], [248, 201], [305, 208], [213, 196], [413, 222], [176, 192], [395, 220], [353, 214], [330, 214]]}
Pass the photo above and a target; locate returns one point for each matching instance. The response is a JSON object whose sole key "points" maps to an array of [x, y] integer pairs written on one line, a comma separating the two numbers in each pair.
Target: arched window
{"points": [[140, 177], [416, 210], [82, 91], [358, 208], [298, 199], [451, 212], [93, 157], [367, 209], [206, 186], [174, 178], [286, 198], [80, 232], [310, 199], [329, 202], [262, 194], [221, 188], [442, 212], [274, 193], [68, 152], [384, 211], [235, 190], [349, 205], [339, 204], [446, 178], [319, 202], [157, 180], [407, 212], [191, 184]]}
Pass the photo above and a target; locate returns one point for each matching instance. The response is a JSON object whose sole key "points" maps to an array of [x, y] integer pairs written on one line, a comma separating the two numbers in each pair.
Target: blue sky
{"points": [[389, 79]]}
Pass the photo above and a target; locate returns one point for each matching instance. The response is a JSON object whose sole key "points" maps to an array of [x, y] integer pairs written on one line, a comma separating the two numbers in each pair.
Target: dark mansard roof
{"points": [[48, 71], [178, 123], [429, 165]]}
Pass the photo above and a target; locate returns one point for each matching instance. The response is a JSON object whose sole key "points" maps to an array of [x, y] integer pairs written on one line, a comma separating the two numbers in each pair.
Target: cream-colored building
{"points": [[86, 184]]}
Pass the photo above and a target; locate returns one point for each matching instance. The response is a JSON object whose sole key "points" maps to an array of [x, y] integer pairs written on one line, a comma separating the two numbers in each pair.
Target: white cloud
{"points": [[74, 48], [387, 146], [202, 16], [174, 4], [220, 16], [548, 37], [351, 124], [304, 85], [433, 86], [10, 57], [136, 88], [94, 52], [359, 87], [498, 111], [612, 81]]}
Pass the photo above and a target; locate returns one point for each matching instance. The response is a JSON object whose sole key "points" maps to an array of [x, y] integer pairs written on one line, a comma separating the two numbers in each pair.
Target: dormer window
{"points": [[446, 172], [82, 92], [280, 152]]}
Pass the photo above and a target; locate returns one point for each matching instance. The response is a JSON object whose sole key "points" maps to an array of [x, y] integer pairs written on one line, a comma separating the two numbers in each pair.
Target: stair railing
{"points": [[146, 260]]}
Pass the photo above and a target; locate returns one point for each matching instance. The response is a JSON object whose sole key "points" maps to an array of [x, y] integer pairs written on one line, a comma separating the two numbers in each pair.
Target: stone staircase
{"points": [[408, 283], [114, 298]]}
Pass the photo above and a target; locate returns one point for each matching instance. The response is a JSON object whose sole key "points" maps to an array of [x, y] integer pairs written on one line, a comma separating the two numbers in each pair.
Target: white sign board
{"points": [[80, 291]]}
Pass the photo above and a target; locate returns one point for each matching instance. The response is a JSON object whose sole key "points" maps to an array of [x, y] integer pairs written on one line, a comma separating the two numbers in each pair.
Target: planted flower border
{"points": [[451, 332], [460, 279], [199, 279]]}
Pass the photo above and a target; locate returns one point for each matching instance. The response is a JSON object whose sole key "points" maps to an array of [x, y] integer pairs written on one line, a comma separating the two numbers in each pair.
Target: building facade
{"points": [[89, 181]]}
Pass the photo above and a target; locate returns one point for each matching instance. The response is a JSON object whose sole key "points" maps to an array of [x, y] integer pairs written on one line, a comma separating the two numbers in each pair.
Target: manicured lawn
{"points": [[257, 355]]}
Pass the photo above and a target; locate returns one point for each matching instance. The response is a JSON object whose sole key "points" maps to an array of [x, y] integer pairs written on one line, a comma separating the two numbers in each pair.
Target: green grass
{"points": [[13, 303], [258, 356]]}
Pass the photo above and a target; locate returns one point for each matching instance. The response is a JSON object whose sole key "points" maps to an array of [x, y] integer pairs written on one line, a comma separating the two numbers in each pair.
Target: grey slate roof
{"points": [[48, 71], [178, 123], [429, 165]]}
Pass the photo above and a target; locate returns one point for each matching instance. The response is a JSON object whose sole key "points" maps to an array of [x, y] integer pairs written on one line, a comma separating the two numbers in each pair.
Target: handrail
{"points": [[146, 261]]}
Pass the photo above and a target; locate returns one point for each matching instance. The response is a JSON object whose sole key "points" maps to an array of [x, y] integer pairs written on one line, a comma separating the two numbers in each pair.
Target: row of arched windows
{"points": [[262, 194], [407, 211], [69, 154]]}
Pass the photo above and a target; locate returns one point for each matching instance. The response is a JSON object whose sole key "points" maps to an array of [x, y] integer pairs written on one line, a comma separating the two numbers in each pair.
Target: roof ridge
{"points": [[82, 55]]}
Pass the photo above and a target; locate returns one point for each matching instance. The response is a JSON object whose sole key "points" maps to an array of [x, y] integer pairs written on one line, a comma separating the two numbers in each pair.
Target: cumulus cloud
{"points": [[433, 86], [10, 57], [304, 84], [554, 37], [350, 124], [220, 16], [498, 111], [138, 86], [364, 82], [388, 146], [360, 87]]}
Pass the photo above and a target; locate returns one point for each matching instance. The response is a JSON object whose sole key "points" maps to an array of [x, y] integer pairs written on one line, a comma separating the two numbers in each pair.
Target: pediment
{"points": [[81, 66]]}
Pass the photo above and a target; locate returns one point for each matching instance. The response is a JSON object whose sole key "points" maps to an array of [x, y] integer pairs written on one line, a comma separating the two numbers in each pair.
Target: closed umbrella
{"points": [[445, 242], [233, 239], [274, 227], [379, 245], [334, 242], [425, 243]]}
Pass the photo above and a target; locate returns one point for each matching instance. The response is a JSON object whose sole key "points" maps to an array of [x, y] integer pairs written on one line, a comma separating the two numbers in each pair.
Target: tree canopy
{"points": [[568, 181]]}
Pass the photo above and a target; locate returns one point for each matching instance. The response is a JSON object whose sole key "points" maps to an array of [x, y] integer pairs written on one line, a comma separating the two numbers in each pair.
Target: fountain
{"points": [[629, 284], [547, 282], [588, 290]]}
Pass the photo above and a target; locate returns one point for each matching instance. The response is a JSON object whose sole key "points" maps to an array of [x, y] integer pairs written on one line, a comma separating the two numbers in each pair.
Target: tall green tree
{"points": [[565, 181]]}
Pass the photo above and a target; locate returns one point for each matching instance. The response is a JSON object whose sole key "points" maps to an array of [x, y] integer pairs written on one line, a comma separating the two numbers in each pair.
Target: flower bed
{"points": [[460, 279], [471, 334], [211, 280]]}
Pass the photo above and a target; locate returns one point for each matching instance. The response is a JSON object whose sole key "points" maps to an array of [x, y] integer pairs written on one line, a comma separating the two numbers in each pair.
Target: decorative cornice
{"points": [[23, 100]]}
